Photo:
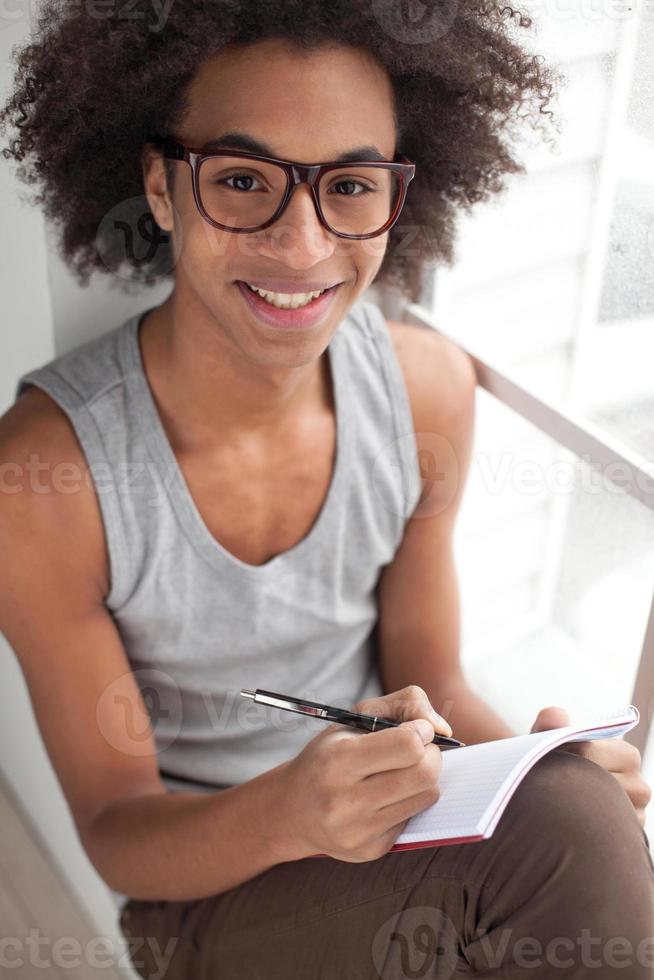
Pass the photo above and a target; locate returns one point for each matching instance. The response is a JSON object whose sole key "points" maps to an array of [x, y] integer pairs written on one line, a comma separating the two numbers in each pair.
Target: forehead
{"points": [[301, 103]]}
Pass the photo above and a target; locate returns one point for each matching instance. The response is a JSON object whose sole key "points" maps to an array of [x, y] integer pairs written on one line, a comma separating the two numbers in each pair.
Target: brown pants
{"points": [[563, 888]]}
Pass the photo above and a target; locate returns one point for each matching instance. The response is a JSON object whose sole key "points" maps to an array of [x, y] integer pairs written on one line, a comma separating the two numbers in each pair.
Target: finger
{"points": [[638, 791], [548, 718], [632, 756], [390, 833], [404, 705], [406, 808], [618, 755], [405, 709], [614, 755], [385, 788], [593, 751], [389, 748]]}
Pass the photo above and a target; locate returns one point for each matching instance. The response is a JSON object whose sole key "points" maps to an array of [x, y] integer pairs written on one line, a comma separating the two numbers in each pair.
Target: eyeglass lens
{"points": [[242, 193]]}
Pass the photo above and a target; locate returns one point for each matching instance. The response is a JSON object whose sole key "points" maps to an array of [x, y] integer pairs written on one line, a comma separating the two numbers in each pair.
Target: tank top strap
{"points": [[385, 392]]}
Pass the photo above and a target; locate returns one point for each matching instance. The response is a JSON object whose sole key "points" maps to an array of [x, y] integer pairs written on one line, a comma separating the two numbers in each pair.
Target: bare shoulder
{"points": [[47, 490], [440, 377], [34, 414], [36, 434]]}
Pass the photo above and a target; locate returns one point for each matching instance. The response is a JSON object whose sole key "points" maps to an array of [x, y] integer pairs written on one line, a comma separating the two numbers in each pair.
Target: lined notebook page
{"points": [[478, 781]]}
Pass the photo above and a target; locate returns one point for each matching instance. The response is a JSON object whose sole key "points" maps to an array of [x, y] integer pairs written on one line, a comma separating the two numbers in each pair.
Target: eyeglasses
{"points": [[222, 199]]}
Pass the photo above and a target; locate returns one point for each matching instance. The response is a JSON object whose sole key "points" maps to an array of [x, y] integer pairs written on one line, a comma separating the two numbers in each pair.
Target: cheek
{"points": [[200, 246], [366, 255], [194, 239], [370, 252]]}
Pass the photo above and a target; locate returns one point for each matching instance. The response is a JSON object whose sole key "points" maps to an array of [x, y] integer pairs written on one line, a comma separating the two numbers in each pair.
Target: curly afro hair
{"points": [[90, 87]]}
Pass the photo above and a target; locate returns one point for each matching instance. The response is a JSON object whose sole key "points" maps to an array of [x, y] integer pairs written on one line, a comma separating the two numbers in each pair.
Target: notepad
{"points": [[477, 781]]}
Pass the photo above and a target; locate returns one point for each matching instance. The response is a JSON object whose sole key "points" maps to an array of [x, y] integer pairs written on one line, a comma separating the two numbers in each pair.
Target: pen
{"points": [[367, 723]]}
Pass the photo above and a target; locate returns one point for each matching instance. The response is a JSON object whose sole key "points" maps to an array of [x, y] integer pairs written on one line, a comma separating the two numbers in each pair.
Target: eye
{"points": [[353, 183], [237, 177]]}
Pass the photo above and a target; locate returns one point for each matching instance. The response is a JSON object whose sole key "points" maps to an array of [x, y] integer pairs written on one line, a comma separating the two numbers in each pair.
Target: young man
{"points": [[267, 537]]}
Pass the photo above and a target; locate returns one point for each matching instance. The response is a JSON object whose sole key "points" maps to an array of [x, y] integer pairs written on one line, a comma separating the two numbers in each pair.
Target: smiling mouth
{"points": [[287, 301]]}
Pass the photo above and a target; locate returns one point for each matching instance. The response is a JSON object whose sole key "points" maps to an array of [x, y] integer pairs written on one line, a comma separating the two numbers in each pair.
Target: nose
{"points": [[298, 235]]}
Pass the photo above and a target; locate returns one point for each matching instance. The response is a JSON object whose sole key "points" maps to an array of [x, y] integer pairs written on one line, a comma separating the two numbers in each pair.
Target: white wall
{"points": [[43, 312]]}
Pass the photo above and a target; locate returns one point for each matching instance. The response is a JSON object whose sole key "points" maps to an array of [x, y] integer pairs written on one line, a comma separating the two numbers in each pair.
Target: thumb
{"points": [[424, 728], [548, 718]]}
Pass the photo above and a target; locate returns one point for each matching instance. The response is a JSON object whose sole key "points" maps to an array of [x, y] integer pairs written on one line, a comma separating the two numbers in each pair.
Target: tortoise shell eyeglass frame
{"points": [[296, 173]]}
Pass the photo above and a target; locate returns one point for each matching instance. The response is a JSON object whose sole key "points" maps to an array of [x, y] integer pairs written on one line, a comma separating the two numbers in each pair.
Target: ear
{"points": [[155, 186]]}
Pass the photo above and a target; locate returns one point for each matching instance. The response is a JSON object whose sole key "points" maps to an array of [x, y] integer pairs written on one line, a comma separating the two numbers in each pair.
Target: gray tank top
{"points": [[197, 623]]}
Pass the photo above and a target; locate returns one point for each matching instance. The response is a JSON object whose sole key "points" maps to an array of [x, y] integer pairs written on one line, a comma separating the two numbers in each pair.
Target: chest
{"points": [[259, 502]]}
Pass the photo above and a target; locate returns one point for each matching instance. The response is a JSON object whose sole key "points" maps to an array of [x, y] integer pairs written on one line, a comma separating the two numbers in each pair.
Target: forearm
{"points": [[184, 846], [472, 720]]}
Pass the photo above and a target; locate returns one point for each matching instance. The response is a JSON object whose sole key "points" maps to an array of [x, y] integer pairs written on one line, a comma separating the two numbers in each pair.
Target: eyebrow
{"points": [[242, 141]]}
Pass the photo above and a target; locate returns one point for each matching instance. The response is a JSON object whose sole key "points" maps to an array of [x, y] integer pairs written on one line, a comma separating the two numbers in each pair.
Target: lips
{"points": [[301, 317]]}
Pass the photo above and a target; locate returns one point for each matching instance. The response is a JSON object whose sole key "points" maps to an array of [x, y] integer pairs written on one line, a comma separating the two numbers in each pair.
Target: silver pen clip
{"points": [[284, 703]]}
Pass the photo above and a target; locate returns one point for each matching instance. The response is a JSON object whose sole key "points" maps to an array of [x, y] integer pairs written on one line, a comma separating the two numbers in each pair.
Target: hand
{"points": [[349, 793], [618, 757], [404, 705]]}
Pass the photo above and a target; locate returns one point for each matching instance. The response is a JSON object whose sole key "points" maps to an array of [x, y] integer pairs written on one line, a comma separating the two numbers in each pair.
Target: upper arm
{"points": [[418, 591], [53, 579]]}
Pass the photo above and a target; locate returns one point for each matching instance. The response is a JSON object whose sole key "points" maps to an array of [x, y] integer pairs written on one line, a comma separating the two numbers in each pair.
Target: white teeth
{"points": [[286, 301]]}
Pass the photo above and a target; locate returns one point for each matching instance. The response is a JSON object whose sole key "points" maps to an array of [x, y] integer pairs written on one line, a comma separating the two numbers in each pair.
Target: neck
{"points": [[199, 374]]}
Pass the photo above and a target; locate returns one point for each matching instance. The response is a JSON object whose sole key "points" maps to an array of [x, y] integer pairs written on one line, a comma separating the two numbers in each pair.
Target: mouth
{"points": [[294, 310]]}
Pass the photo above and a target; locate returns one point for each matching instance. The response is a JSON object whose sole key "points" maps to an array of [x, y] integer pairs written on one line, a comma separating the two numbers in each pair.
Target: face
{"points": [[306, 108]]}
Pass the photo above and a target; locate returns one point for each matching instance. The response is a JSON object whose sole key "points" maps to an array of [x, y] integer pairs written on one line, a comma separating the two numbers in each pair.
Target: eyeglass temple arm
{"points": [[170, 148]]}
